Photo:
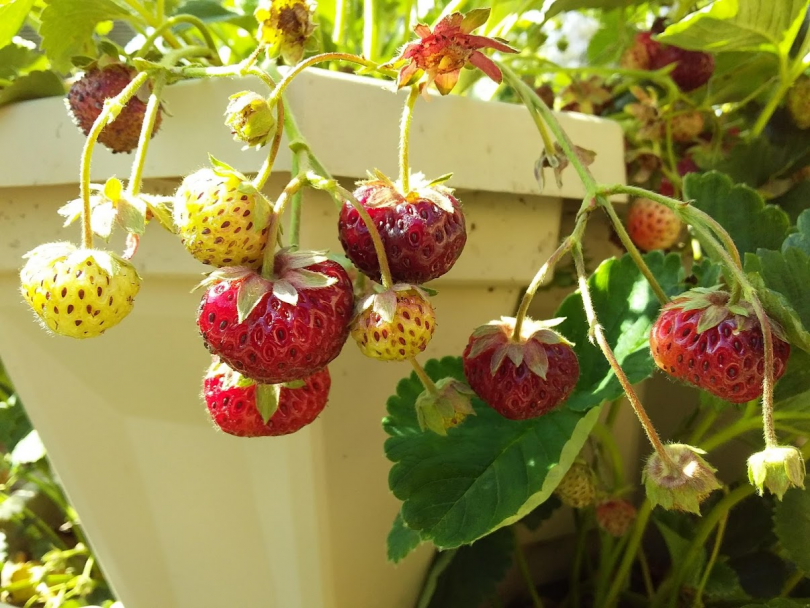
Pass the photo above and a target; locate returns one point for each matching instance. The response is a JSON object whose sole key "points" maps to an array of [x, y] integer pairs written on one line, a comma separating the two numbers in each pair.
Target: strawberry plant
{"points": [[712, 97]]}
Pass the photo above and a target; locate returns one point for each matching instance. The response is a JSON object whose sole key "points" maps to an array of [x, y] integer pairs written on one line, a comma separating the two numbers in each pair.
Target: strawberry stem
{"points": [[525, 573], [150, 116], [767, 381], [599, 335], [267, 167], [404, 139], [315, 59], [423, 377], [112, 108], [295, 202], [292, 187], [170, 23]]}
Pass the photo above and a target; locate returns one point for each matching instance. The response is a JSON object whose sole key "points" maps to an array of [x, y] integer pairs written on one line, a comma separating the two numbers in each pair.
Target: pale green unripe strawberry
{"points": [[221, 218], [78, 292]]}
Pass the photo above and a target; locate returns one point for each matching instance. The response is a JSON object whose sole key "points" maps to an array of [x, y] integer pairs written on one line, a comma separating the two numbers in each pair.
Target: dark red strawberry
{"points": [[522, 379], [231, 401], [423, 233], [642, 53], [289, 327], [85, 101], [687, 165], [702, 340], [693, 68]]}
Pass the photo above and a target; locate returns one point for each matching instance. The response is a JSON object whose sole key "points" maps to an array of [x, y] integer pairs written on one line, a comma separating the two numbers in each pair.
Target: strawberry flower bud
{"points": [[778, 469], [681, 484], [251, 119]]}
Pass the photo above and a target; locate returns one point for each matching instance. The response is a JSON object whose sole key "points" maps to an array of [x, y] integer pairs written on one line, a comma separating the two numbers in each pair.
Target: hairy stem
{"points": [[295, 206], [767, 380], [267, 167], [112, 107], [598, 333], [718, 541], [169, 24], [792, 581], [292, 187], [405, 139], [150, 116]]}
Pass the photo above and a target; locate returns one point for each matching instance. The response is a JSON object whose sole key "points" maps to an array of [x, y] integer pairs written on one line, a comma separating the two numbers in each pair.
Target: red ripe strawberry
{"points": [[702, 340], [693, 68], [652, 225], [282, 329], [641, 54], [423, 232], [231, 401], [85, 101], [615, 516], [525, 378], [687, 165]]}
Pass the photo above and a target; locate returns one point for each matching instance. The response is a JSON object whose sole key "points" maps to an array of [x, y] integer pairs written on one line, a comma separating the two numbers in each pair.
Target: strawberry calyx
{"points": [[290, 274], [777, 469], [386, 193], [528, 347], [445, 408], [716, 307], [681, 481], [384, 303]]}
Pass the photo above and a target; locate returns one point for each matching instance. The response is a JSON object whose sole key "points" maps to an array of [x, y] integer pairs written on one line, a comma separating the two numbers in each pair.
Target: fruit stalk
{"points": [[633, 546], [423, 377], [767, 381], [718, 541], [169, 24], [404, 139], [150, 115], [315, 59], [291, 188], [111, 110], [267, 167], [785, 82], [525, 573], [295, 205], [599, 334]]}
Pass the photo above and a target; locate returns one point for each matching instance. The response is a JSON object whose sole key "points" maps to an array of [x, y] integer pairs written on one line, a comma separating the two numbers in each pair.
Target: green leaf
{"points": [[484, 474], [750, 527], [678, 545], [801, 238], [68, 25], [535, 519], [615, 34], [562, 6], [777, 305], [795, 200], [13, 505], [780, 602], [754, 163], [739, 25], [761, 574], [12, 18], [739, 209], [724, 583], [33, 86], [212, 11], [791, 521], [401, 540], [15, 58], [738, 75], [474, 572]]}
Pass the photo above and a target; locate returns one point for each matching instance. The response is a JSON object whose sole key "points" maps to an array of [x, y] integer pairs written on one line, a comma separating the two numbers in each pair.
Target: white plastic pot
{"points": [[178, 514]]}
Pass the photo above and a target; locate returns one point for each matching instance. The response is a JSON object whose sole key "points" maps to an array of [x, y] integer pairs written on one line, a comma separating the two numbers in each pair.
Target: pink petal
{"points": [[486, 65], [422, 30], [406, 73], [449, 24], [445, 82], [482, 42]]}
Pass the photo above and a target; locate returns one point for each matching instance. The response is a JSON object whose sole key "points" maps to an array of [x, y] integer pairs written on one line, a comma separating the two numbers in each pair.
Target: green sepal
{"points": [[267, 399], [474, 19], [251, 292], [294, 384]]}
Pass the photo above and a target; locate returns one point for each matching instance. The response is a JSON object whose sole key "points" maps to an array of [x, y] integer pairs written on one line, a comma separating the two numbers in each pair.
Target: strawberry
{"points": [[686, 165], [279, 329], [686, 127], [232, 403], [78, 292], [444, 407], [394, 325], [681, 487], [692, 70], [615, 516], [221, 218], [251, 119], [652, 225], [577, 488], [703, 340], [423, 231], [522, 378], [798, 102], [86, 98], [641, 54]]}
